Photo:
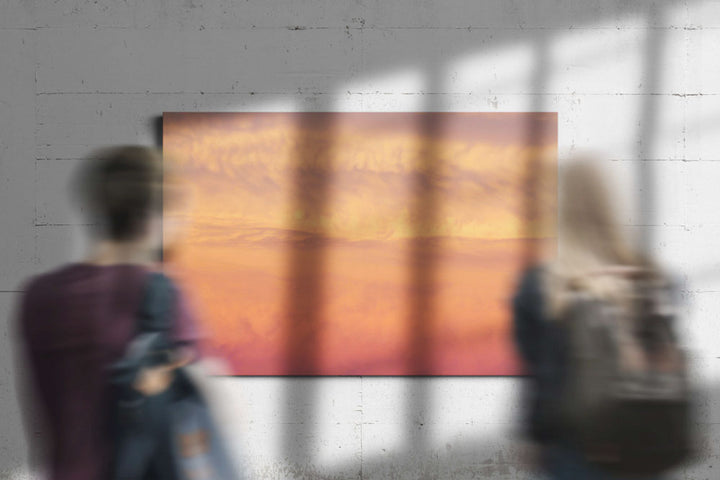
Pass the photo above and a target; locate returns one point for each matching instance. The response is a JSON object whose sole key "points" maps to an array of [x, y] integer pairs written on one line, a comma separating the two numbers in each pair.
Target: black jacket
{"points": [[543, 347]]}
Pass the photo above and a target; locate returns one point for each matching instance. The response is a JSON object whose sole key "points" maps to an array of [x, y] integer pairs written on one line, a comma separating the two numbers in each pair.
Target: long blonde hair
{"points": [[591, 241]]}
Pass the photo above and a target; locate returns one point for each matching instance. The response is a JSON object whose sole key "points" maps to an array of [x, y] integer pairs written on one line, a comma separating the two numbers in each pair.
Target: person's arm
{"points": [[538, 343], [527, 318], [154, 380], [29, 392]]}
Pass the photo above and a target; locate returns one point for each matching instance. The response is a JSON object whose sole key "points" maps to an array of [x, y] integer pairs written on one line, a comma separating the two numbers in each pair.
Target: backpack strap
{"points": [[156, 309], [152, 345]]}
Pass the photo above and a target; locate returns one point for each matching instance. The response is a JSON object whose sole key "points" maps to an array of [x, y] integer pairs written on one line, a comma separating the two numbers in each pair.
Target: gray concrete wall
{"points": [[638, 81]]}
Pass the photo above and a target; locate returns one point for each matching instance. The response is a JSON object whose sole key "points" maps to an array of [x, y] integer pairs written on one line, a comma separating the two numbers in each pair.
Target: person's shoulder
{"points": [[57, 278], [39, 282], [532, 275], [37, 291], [528, 290]]}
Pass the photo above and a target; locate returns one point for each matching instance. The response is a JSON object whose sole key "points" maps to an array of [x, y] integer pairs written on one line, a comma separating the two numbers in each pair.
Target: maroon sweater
{"points": [[74, 323]]}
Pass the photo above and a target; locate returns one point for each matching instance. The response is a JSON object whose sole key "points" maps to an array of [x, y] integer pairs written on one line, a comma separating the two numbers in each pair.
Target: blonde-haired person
{"points": [[593, 256]]}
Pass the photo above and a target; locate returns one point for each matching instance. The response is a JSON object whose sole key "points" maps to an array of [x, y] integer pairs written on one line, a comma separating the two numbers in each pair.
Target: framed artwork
{"points": [[361, 243]]}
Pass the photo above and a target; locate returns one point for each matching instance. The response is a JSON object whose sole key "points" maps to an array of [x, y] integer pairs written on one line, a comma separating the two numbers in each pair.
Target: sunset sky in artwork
{"points": [[302, 234]]}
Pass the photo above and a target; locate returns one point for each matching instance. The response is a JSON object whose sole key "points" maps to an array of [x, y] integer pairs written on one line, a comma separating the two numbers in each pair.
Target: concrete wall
{"points": [[636, 80]]}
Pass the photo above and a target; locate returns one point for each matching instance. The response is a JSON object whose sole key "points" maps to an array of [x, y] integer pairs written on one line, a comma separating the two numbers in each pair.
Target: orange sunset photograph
{"points": [[360, 243]]}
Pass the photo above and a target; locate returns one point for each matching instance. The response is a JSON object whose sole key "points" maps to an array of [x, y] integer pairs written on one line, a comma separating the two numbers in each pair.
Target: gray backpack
{"points": [[626, 400]]}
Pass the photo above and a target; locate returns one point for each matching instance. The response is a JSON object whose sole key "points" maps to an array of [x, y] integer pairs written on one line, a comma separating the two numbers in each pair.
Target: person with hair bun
{"points": [[596, 260]]}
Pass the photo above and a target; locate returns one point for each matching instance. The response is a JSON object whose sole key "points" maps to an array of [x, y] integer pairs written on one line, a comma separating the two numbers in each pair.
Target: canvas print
{"points": [[361, 243]]}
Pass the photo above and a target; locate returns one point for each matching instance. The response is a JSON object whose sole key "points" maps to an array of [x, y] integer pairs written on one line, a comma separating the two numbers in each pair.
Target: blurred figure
{"points": [[76, 322], [608, 396]]}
